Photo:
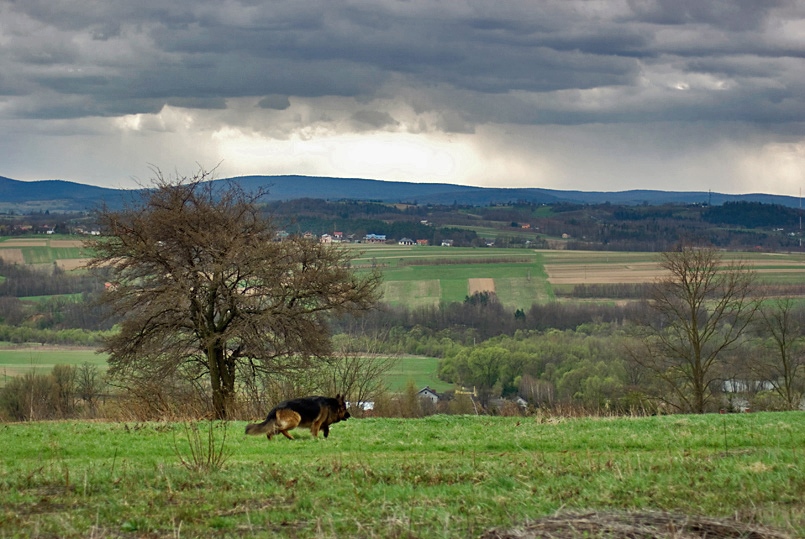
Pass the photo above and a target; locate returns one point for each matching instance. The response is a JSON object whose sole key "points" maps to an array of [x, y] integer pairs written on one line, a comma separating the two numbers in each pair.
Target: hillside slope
{"points": [[60, 195]]}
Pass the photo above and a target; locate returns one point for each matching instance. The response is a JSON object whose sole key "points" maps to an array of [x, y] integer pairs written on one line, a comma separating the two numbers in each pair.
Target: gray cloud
{"points": [[330, 67], [276, 102], [374, 119], [733, 15], [207, 50]]}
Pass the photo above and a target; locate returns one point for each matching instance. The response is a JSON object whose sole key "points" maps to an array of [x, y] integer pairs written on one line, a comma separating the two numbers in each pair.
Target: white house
{"points": [[427, 393]]}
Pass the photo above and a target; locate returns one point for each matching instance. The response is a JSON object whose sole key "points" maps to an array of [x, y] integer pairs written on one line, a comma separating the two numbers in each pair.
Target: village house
{"points": [[429, 394], [375, 238]]}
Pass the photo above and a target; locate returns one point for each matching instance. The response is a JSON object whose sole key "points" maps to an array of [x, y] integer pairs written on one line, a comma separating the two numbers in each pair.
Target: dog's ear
{"points": [[339, 398]]}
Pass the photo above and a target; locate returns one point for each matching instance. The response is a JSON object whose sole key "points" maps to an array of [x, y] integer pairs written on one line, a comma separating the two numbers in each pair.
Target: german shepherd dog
{"points": [[318, 413]]}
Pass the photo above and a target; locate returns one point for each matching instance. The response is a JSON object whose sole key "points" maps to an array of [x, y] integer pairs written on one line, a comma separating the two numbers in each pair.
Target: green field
{"points": [[419, 370], [43, 250], [41, 359], [416, 276], [438, 477], [429, 275], [421, 276]]}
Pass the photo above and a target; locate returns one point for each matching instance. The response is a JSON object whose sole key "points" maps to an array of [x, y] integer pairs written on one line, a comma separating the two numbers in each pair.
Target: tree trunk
{"points": [[222, 380]]}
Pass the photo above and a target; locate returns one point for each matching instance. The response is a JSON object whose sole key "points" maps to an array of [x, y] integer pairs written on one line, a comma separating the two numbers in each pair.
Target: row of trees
{"points": [[67, 391], [596, 372], [66, 300], [22, 281]]}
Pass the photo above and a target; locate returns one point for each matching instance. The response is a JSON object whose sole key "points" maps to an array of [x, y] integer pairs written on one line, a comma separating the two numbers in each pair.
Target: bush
{"points": [[30, 397]]}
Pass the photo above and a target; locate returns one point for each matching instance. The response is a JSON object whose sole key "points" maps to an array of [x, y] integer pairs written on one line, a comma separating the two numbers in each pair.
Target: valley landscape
{"points": [[443, 475], [547, 255]]}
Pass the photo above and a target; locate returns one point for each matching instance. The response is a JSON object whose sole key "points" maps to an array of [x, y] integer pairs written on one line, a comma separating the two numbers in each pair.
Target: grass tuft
{"points": [[205, 453]]}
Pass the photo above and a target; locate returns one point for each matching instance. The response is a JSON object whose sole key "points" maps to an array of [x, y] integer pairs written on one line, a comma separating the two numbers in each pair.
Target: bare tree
{"points": [[89, 385], [784, 368], [359, 369], [704, 307], [64, 380], [203, 287]]}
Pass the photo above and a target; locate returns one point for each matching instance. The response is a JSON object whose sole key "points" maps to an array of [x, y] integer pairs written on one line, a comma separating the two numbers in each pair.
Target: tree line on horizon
{"points": [[736, 225]]}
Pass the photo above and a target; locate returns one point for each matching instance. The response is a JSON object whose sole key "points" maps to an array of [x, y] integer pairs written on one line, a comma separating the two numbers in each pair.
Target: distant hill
{"points": [[53, 195], [292, 187], [59, 195]]}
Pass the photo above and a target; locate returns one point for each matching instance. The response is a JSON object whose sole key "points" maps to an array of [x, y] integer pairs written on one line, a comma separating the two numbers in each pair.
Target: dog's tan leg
{"points": [[314, 429]]}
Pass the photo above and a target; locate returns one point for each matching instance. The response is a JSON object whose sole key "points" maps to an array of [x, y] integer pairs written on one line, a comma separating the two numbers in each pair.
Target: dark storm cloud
{"points": [[275, 102], [520, 62], [374, 118], [734, 15]]}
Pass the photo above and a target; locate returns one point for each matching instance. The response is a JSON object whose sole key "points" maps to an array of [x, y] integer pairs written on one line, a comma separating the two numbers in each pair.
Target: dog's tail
{"points": [[261, 428]]}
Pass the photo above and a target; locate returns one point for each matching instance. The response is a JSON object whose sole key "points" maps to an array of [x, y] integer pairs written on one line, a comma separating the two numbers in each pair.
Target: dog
{"points": [[318, 413]]}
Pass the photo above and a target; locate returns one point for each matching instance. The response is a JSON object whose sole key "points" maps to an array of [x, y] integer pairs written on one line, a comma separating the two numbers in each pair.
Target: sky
{"points": [[592, 95]]}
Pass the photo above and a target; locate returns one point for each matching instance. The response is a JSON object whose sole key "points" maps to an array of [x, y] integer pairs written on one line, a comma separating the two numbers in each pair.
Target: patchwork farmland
{"points": [[67, 252], [420, 276], [416, 275]]}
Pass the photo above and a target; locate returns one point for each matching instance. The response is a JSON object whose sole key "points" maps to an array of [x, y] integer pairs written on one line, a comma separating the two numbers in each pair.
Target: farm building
{"points": [[375, 238], [429, 394]]}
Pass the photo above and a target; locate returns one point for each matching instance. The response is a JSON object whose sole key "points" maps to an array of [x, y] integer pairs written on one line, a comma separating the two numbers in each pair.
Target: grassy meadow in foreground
{"points": [[442, 476]]}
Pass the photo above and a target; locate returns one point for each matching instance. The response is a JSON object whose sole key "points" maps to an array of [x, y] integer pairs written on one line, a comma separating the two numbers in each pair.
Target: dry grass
{"points": [[641, 272], [12, 256], [69, 264], [649, 525], [66, 243], [476, 286], [15, 242]]}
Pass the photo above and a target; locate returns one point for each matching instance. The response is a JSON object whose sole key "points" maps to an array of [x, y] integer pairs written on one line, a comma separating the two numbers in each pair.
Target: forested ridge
{"points": [[733, 225], [648, 228]]}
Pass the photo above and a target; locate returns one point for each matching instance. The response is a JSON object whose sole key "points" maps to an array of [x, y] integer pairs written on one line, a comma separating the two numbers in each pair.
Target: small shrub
{"points": [[205, 454], [30, 397]]}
